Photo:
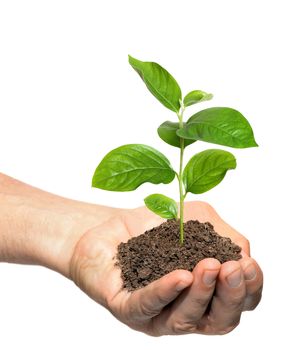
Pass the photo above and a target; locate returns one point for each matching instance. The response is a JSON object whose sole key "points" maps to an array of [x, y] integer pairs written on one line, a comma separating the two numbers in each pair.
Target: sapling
{"points": [[127, 167]]}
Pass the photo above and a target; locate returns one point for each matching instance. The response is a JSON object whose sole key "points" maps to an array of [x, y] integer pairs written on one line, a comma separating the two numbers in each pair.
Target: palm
{"points": [[93, 266], [93, 263]]}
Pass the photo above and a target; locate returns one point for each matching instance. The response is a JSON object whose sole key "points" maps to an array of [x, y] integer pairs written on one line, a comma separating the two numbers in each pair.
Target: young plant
{"points": [[127, 167]]}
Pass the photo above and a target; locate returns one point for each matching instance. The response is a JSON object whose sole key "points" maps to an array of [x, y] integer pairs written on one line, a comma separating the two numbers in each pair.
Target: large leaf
{"points": [[167, 132], [162, 205], [159, 82], [127, 167], [207, 169], [221, 125], [196, 96]]}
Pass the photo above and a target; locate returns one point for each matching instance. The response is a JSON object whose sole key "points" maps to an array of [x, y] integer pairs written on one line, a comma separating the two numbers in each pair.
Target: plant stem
{"points": [[180, 180]]}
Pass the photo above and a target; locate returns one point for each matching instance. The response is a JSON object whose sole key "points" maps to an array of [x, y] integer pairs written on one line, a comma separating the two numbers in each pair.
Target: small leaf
{"points": [[196, 96], [221, 125], [127, 167], [159, 82], [167, 132], [207, 169], [162, 206]]}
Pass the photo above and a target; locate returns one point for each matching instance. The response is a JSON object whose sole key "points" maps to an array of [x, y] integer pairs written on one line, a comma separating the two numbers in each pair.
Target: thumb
{"points": [[146, 303]]}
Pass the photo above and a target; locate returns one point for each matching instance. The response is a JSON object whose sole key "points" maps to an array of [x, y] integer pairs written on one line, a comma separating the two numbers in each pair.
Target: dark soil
{"points": [[145, 258]]}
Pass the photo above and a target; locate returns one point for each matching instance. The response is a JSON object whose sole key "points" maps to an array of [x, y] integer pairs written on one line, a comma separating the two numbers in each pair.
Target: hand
{"points": [[208, 300]]}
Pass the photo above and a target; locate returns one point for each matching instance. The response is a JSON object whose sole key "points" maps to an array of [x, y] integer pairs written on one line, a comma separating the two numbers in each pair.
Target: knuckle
{"points": [[201, 301], [216, 327], [161, 301], [228, 329], [145, 310], [182, 327], [153, 331], [220, 327], [148, 310], [236, 298], [153, 308], [252, 300], [250, 306], [235, 302]]}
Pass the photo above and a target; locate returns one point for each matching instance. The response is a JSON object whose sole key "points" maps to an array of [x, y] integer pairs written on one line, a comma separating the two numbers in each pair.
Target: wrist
{"points": [[64, 230], [40, 228]]}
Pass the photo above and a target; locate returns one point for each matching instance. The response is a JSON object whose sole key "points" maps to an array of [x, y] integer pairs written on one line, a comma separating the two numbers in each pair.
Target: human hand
{"points": [[209, 300]]}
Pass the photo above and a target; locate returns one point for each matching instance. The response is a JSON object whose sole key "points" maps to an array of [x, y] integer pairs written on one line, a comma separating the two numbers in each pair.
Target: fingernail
{"points": [[235, 278], [209, 277], [250, 272]]}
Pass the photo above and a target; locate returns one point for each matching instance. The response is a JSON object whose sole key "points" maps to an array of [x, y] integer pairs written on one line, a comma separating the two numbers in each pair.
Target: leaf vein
{"points": [[206, 172]]}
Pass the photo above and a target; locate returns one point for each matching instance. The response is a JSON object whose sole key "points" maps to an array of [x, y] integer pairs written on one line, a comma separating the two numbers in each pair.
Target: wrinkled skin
{"points": [[182, 302]]}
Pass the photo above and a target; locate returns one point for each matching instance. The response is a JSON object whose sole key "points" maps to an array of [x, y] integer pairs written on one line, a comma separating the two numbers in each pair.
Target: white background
{"points": [[68, 96]]}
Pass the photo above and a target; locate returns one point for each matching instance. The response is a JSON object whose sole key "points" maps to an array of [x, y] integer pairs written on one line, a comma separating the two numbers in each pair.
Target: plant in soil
{"points": [[174, 244]]}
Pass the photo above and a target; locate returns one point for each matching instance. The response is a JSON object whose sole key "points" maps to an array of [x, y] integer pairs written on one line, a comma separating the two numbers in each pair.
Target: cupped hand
{"points": [[208, 300]]}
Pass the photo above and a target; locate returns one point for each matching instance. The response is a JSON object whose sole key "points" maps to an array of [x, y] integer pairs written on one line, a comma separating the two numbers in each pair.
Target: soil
{"points": [[145, 258]]}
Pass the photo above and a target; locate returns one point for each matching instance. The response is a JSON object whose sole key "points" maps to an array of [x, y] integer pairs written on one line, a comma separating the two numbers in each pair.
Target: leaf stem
{"points": [[180, 180]]}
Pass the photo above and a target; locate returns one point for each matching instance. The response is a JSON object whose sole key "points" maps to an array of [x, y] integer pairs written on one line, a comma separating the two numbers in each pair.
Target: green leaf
{"points": [[162, 205], [221, 125], [167, 132], [207, 169], [127, 167], [159, 82], [196, 96]]}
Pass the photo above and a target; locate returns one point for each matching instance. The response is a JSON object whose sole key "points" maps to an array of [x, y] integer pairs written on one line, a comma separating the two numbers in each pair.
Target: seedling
{"points": [[127, 167]]}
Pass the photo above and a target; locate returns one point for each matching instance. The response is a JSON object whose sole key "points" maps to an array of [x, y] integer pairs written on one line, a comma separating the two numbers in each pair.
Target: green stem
{"points": [[180, 180]]}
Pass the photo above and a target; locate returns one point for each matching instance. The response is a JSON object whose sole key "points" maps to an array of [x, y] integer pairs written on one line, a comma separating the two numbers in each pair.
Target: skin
{"points": [[79, 240]]}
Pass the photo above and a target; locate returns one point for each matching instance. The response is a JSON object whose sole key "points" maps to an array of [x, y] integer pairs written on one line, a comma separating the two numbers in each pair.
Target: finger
{"points": [[228, 301], [148, 302], [253, 276], [190, 306]]}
